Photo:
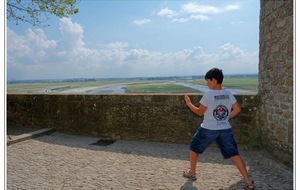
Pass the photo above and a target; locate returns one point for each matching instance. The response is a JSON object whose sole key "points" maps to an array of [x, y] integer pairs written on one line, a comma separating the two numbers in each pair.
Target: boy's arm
{"points": [[197, 110], [236, 109]]}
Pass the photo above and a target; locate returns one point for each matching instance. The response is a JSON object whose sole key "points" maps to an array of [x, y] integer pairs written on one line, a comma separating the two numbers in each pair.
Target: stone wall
{"points": [[162, 118], [276, 78]]}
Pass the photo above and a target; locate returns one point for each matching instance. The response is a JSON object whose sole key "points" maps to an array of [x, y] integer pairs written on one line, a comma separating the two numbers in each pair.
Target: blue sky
{"points": [[132, 38]]}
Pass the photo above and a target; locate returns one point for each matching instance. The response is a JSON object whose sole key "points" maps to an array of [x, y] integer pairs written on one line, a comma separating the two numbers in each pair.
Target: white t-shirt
{"points": [[219, 104]]}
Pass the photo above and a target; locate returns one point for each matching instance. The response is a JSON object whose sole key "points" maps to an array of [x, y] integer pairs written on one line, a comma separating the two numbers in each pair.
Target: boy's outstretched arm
{"points": [[197, 110], [236, 109]]}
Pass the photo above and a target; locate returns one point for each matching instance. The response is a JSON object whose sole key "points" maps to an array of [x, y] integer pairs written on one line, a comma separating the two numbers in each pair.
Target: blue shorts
{"points": [[224, 138]]}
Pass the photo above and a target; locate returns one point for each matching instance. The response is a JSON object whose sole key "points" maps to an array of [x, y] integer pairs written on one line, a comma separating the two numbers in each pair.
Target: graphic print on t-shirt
{"points": [[220, 113]]}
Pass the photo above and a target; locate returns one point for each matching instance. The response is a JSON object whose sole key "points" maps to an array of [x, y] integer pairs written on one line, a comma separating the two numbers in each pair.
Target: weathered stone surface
{"points": [[276, 78], [62, 161], [163, 118]]}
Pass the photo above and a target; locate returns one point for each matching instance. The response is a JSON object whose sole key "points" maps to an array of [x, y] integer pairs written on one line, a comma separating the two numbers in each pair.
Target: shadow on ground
{"points": [[266, 173]]}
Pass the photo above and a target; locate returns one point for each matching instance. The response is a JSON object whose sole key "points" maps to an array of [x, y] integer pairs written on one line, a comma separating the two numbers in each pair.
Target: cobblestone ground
{"points": [[61, 161]]}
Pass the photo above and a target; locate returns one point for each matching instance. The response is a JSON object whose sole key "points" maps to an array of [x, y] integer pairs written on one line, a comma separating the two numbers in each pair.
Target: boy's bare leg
{"points": [[193, 161], [239, 163]]}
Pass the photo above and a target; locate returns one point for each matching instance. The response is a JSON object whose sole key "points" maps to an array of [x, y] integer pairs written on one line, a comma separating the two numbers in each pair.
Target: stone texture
{"points": [[161, 118], [276, 78], [61, 161]]}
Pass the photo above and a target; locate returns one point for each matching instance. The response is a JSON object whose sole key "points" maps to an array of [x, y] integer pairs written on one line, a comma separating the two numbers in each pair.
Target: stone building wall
{"points": [[276, 77]]}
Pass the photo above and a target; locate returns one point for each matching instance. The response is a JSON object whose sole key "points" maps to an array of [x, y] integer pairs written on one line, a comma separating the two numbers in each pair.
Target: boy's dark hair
{"points": [[216, 74]]}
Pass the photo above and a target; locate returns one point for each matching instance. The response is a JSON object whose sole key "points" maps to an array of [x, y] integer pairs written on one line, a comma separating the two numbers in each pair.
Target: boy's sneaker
{"points": [[189, 175]]}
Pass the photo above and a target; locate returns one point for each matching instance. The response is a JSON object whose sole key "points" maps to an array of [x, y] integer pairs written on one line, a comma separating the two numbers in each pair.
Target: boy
{"points": [[218, 106]]}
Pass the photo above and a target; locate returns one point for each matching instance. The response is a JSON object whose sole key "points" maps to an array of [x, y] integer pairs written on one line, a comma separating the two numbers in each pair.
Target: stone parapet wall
{"points": [[162, 118], [276, 78]]}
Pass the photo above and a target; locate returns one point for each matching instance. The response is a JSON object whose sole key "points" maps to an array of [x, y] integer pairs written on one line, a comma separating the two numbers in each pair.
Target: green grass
{"points": [[158, 88], [235, 83]]}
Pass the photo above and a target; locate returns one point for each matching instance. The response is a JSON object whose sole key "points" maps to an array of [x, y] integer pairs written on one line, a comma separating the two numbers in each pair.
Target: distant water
{"points": [[118, 89], [201, 88]]}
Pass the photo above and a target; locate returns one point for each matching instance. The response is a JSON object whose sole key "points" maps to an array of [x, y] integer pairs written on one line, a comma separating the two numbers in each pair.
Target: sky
{"points": [[131, 38]]}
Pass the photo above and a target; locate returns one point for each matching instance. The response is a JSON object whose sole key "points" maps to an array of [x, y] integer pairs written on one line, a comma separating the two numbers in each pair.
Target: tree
{"points": [[37, 12]]}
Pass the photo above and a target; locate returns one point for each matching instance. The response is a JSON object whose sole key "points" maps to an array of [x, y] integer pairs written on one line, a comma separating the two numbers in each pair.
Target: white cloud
{"points": [[39, 39], [34, 56], [191, 17], [180, 20], [72, 33], [229, 51], [31, 48], [194, 11], [141, 21], [167, 12], [200, 17], [194, 8], [136, 54], [117, 45], [232, 7], [16, 44]]}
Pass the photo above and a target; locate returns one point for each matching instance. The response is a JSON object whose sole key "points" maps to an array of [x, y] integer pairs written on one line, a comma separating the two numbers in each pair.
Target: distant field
{"points": [[158, 88], [236, 83], [57, 86], [130, 86]]}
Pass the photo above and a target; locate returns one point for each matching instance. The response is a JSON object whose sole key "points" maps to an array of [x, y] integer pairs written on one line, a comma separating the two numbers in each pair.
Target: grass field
{"points": [[130, 86], [236, 83], [158, 88]]}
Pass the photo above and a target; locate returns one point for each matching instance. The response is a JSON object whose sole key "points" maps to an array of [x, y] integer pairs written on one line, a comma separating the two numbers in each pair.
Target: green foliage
{"points": [[36, 12]]}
